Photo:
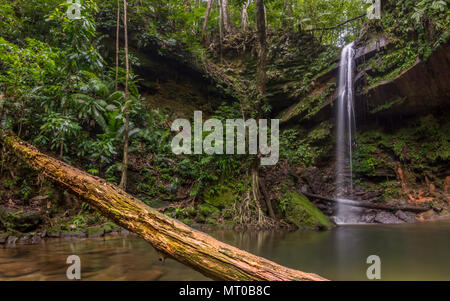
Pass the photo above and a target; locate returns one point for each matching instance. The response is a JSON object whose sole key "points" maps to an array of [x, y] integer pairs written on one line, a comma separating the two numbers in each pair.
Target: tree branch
{"points": [[340, 24]]}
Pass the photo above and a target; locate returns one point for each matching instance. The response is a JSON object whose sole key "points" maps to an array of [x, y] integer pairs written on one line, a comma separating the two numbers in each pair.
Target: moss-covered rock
{"points": [[73, 234], [95, 232], [22, 222], [302, 213], [110, 227]]}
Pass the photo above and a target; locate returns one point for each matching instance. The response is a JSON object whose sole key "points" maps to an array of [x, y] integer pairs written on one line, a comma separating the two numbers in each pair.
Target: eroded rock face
{"points": [[384, 217], [423, 87], [368, 50]]}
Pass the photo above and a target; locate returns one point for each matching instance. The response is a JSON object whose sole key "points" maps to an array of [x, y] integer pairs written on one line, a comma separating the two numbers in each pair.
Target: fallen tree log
{"points": [[168, 236], [367, 204]]}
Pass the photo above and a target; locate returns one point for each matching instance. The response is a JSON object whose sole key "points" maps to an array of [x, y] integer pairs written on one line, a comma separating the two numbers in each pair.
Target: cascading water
{"points": [[345, 130]]}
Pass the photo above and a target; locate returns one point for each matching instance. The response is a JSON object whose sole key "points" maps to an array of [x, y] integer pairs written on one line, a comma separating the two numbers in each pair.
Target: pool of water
{"points": [[407, 252]]}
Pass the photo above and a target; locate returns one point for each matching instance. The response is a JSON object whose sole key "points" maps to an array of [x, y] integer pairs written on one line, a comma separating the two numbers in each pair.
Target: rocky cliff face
{"points": [[402, 148], [422, 88]]}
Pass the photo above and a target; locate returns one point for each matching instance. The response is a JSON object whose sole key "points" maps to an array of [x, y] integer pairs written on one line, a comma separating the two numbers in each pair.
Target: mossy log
{"points": [[168, 236]]}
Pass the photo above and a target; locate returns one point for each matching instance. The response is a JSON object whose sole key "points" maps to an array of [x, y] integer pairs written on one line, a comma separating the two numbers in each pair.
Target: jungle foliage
{"points": [[57, 80]]}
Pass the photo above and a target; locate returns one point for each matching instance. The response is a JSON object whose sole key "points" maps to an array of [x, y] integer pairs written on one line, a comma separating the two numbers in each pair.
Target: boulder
{"points": [[302, 213], [368, 217], [29, 239], [11, 240], [407, 217], [93, 232], [73, 234], [22, 222], [384, 217]]}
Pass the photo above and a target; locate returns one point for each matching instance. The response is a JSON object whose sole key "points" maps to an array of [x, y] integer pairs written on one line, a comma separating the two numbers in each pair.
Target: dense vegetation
{"points": [[60, 90]]}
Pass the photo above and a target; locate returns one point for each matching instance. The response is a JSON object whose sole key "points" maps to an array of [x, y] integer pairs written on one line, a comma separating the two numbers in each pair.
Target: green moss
{"points": [[186, 221], [420, 144], [190, 211], [387, 105], [391, 190], [110, 227], [302, 213], [95, 231], [220, 196], [207, 210], [211, 221], [308, 106], [18, 220]]}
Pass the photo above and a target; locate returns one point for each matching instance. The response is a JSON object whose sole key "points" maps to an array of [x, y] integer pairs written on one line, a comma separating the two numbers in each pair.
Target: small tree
{"points": [[123, 180]]}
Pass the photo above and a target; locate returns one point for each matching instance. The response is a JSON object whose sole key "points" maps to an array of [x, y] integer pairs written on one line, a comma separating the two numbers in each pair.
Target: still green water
{"points": [[407, 252]]}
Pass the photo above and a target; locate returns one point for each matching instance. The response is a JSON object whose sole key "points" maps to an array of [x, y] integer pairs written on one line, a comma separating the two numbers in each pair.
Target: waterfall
{"points": [[345, 131]]}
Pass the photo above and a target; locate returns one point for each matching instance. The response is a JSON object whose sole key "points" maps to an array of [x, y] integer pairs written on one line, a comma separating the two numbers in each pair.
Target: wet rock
{"points": [[406, 216], [72, 234], [36, 239], [95, 232], [24, 240], [371, 48], [428, 215], [22, 222], [53, 234], [384, 217], [11, 240], [368, 217], [29, 239], [124, 231]]}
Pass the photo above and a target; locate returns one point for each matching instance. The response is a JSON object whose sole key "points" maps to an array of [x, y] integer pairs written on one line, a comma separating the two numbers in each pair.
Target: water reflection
{"points": [[407, 252]]}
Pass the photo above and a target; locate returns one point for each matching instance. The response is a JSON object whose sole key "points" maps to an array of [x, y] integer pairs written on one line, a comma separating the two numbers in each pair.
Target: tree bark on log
{"points": [[168, 236], [367, 204]]}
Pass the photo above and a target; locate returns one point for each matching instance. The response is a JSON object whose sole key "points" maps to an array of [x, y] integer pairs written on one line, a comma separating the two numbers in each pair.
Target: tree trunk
{"points": [[262, 186], [117, 44], [226, 17], [244, 16], [205, 22], [168, 236], [123, 180], [220, 28], [261, 86], [262, 46]]}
